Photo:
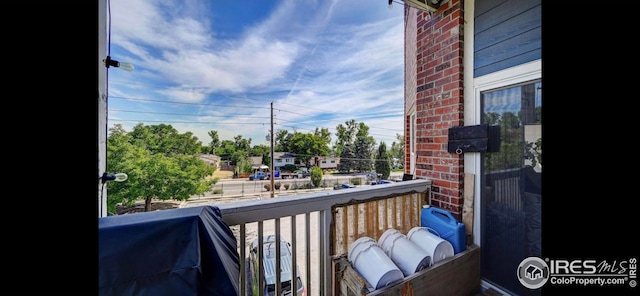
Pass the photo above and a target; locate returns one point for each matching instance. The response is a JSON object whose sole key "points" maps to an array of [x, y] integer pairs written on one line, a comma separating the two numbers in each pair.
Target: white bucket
{"points": [[437, 247], [405, 253], [372, 263]]}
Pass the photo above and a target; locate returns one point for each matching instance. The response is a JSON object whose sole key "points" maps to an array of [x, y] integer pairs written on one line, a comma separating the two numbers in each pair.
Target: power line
{"points": [[393, 137], [204, 115], [254, 107], [193, 122], [232, 106], [192, 91], [338, 121], [371, 134], [185, 103], [185, 114]]}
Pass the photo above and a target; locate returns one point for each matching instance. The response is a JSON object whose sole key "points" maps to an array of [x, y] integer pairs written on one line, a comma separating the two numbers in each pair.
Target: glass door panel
{"points": [[511, 195]]}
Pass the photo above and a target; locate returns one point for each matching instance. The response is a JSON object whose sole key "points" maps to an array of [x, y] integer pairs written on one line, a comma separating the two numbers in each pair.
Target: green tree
{"points": [[120, 152], [242, 143], [239, 155], [242, 148], [205, 149], [215, 141], [165, 139], [383, 162], [364, 148], [397, 150], [264, 151], [158, 165], [281, 141], [345, 135], [316, 176], [226, 150], [325, 136], [347, 158], [244, 166], [345, 146], [354, 146], [234, 151], [307, 146], [289, 167]]}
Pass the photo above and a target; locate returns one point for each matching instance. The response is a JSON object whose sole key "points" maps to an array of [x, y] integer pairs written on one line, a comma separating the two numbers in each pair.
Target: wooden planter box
{"points": [[457, 275]]}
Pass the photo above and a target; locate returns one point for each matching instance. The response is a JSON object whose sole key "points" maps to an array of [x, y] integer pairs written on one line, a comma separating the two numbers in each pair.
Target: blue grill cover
{"points": [[188, 251]]}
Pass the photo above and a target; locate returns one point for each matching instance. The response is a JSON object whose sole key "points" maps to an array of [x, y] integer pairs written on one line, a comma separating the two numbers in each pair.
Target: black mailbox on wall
{"points": [[474, 138]]}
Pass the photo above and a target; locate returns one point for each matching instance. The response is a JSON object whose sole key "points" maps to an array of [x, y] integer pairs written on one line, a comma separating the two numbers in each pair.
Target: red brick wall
{"points": [[439, 102]]}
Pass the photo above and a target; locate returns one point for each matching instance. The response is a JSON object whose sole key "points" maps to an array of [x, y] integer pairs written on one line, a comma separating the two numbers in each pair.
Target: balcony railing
{"points": [[320, 226]]}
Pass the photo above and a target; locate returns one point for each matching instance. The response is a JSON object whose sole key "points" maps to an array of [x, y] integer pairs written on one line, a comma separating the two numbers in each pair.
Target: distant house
{"points": [[256, 163], [326, 162], [282, 159], [212, 160]]}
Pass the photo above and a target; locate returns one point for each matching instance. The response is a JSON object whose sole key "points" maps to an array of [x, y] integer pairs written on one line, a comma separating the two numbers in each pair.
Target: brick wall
{"points": [[438, 101], [410, 49]]}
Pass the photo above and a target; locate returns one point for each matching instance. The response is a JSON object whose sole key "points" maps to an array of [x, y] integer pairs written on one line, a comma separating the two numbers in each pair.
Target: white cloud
{"points": [[343, 59]]}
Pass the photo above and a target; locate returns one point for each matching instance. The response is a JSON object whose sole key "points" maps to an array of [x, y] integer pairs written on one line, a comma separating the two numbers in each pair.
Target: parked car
{"points": [[268, 253], [343, 186], [373, 175], [381, 182], [297, 174], [257, 176], [302, 174]]}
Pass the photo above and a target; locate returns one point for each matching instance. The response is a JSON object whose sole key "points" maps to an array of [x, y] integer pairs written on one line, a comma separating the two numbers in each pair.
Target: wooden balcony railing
{"points": [[320, 226]]}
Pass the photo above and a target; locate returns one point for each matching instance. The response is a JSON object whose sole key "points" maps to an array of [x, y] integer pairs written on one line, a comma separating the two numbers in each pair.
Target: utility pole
{"points": [[272, 154]]}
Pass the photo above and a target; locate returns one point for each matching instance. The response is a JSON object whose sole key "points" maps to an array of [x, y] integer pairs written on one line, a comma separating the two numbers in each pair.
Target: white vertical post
{"points": [[102, 106], [272, 154]]}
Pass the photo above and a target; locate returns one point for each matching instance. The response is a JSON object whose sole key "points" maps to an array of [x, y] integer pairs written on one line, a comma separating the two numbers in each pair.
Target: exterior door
{"points": [[511, 186]]}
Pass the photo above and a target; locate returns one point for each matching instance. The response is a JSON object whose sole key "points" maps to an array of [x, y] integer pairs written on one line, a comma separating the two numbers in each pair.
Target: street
{"points": [[227, 188]]}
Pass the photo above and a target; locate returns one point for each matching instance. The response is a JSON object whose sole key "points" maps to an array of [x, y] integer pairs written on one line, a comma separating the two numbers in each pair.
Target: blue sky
{"points": [[205, 65]]}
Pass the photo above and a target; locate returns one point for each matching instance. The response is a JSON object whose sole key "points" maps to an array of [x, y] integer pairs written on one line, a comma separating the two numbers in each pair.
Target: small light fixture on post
{"points": [[120, 177], [122, 65]]}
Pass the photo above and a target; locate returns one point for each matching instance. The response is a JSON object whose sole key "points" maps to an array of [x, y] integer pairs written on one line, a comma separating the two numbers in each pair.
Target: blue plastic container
{"points": [[442, 223]]}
